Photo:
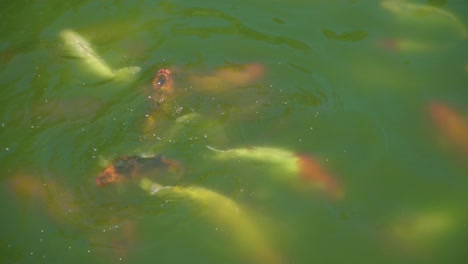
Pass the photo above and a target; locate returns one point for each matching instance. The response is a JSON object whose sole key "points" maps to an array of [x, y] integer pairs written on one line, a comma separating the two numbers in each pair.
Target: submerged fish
{"points": [[288, 165], [228, 77], [426, 14], [222, 211], [451, 124], [66, 208], [407, 45], [79, 48], [130, 167], [420, 233]]}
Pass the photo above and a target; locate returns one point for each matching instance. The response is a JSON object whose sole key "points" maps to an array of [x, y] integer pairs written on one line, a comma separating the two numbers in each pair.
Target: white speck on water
{"points": [[3, 124], [326, 160], [89, 251], [42, 230], [32, 253], [300, 140], [7, 149], [69, 247], [147, 115], [149, 96], [216, 228], [206, 136], [46, 101], [43, 256]]}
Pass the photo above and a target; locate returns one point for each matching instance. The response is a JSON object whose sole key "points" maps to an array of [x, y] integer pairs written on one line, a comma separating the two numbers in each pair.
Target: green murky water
{"points": [[348, 83]]}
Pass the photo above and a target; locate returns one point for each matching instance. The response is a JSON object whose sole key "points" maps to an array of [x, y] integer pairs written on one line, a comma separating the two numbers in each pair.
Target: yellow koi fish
{"points": [[222, 210], [425, 13]]}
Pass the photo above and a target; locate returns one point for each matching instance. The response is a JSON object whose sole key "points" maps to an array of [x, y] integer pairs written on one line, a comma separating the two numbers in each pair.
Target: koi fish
{"points": [[406, 45], [222, 211], [406, 10], [63, 208], [78, 47], [130, 167], [289, 164], [57, 201], [450, 124], [163, 81], [229, 77], [421, 232]]}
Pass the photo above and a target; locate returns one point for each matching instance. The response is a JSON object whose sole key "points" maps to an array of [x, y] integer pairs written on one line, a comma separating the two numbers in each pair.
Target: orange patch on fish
{"points": [[108, 176], [129, 167], [230, 77], [450, 123], [311, 171]]}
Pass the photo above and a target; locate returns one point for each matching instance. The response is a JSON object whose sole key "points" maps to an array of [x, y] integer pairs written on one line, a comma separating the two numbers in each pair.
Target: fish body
{"points": [[425, 15], [80, 48], [228, 78], [407, 45], [292, 167], [221, 211], [130, 167], [451, 124]]}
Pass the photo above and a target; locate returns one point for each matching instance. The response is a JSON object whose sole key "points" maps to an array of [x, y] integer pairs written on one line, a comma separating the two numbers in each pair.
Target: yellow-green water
{"points": [[334, 88]]}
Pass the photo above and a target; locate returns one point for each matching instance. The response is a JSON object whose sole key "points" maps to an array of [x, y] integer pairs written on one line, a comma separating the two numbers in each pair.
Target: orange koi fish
{"points": [[450, 123], [310, 170], [163, 81], [229, 77]]}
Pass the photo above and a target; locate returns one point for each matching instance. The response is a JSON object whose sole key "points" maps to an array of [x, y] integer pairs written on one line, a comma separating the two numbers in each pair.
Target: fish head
{"points": [[163, 81]]}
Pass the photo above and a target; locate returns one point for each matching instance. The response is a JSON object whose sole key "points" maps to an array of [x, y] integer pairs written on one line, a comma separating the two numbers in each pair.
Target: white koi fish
{"points": [[292, 167], [82, 49]]}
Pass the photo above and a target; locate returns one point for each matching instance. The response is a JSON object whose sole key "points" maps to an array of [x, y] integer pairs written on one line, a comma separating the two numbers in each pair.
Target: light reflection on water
{"points": [[349, 88]]}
